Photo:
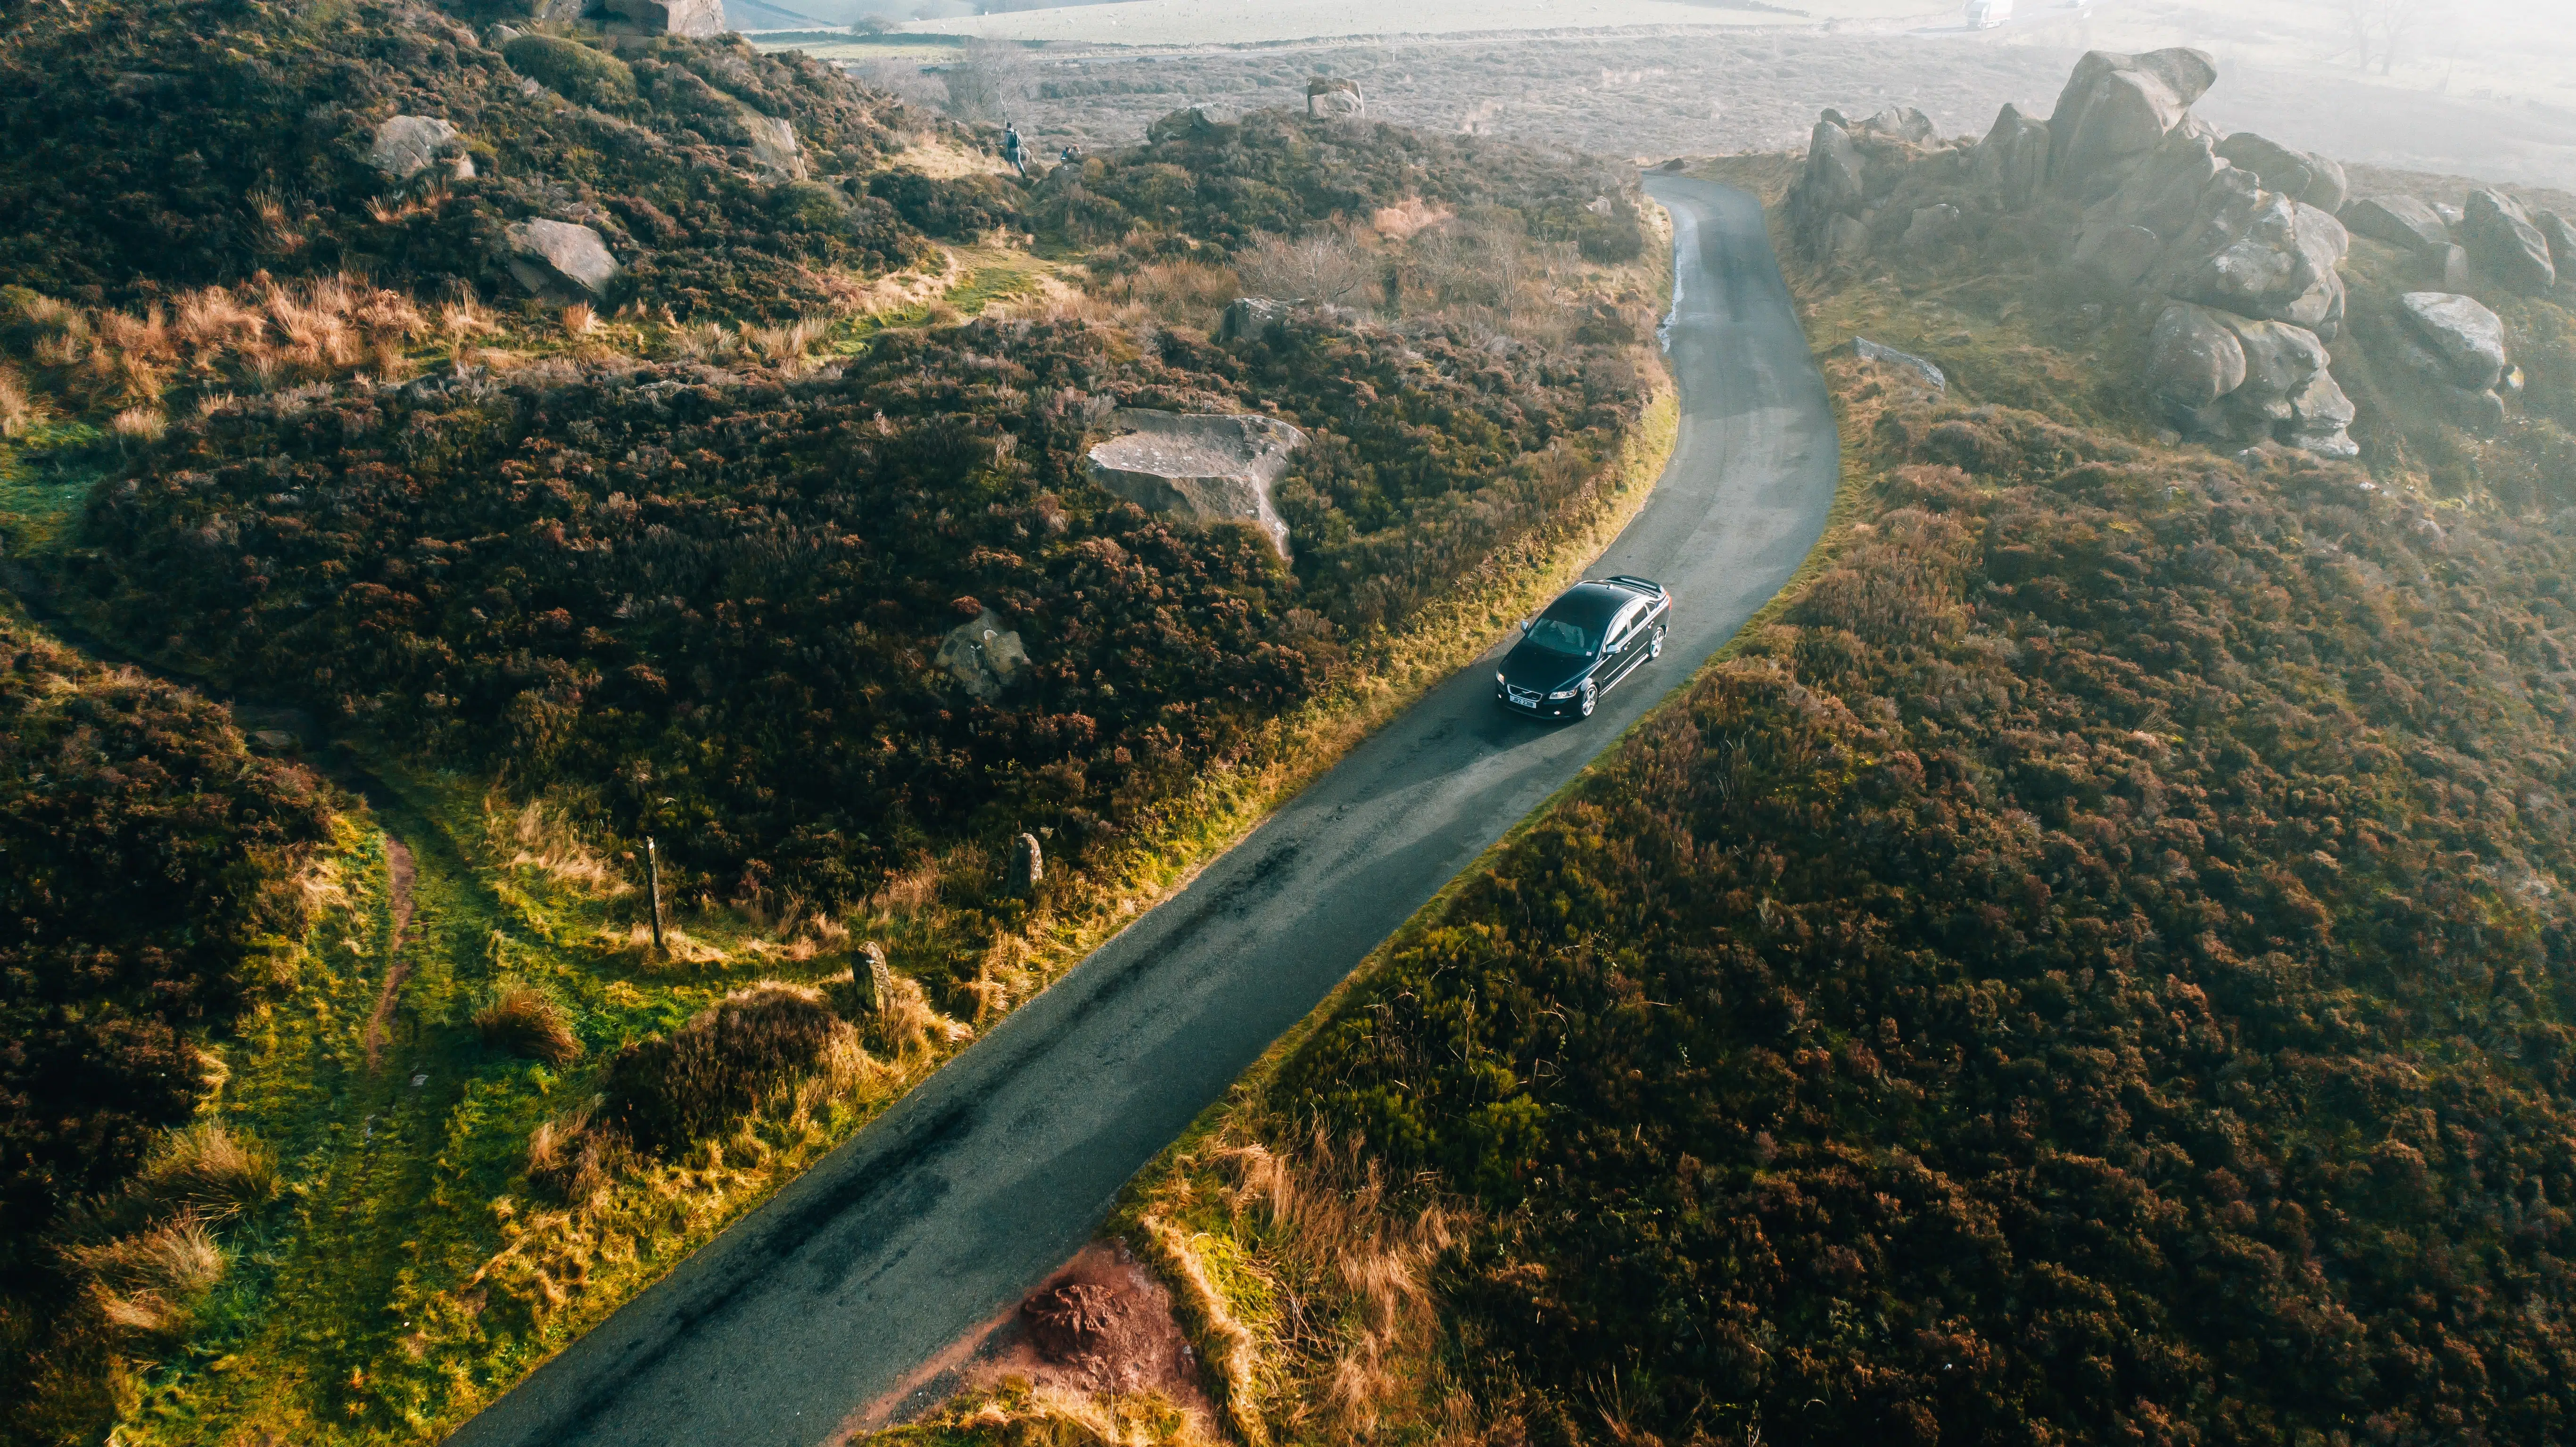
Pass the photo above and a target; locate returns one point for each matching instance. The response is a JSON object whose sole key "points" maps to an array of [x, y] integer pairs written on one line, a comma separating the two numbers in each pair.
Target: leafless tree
{"points": [[2385, 29], [1322, 265], [986, 80]]}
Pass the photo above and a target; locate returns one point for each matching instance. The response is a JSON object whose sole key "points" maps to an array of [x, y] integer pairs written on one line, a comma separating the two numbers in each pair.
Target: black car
{"points": [[1591, 637]]}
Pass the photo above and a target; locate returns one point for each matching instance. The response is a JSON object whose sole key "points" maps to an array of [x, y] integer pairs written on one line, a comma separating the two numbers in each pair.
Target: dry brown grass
{"points": [[258, 336], [525, 1020], [534, 836], [1173, 293], [206, 1173], [150, 1283], [17, 408], [571, 1162]]}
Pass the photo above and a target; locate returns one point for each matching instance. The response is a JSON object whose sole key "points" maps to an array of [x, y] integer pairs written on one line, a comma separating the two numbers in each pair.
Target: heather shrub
{"points": [[665, 1091]]}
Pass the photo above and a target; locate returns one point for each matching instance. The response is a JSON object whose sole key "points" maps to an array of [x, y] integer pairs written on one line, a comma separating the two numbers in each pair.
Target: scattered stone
{"points": [[1869, 351], [2468, 338], [273, 741], [1903, 125], [1211, 466], [2299, 175], [554, 258], [1248, 317], [696, 19], [984, 657], [405, 146], [2449, 267], [1334, 96], [2398, 220], [2505, 245]]}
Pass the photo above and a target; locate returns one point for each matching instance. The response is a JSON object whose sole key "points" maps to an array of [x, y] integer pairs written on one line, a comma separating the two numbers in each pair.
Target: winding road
{"points": [[1000, 1166]]}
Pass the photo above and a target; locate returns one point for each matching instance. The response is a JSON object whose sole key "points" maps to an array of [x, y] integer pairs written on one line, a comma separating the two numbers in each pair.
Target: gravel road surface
{"points": [[997, 1169]]}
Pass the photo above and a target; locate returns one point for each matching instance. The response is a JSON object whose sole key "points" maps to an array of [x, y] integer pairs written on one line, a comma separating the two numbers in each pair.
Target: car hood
{"points": [[1544, 669]]}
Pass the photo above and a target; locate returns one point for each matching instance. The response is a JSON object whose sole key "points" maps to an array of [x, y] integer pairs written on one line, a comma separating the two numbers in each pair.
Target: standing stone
{"points": [[872, 979], [2504, 243], [2560, 233], [1028, 866], [2011, 163]]}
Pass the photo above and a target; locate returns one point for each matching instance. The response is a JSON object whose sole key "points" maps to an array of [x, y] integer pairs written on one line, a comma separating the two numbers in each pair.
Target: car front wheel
{"points": [[1589, 694]]}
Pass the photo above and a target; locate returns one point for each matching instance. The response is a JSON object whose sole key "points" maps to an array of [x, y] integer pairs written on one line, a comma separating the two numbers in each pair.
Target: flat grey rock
{"points": [[405, 146], [1213, 467], [2467, 337], [560, 257]]}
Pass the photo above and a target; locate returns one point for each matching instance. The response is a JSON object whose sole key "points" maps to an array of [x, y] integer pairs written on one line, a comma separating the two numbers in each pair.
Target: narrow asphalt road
{"points": [[1000, 1166]]}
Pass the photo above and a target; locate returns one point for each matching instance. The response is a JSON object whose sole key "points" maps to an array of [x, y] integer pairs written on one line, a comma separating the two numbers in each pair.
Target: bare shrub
{"points": [[525, 1020], [986, 80], [17, 409], [665, 1091], [1322, 265], [205, 1172]]}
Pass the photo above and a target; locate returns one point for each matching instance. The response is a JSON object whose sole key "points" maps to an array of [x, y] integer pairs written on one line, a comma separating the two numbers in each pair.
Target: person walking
{"points": [[1014, 152]]}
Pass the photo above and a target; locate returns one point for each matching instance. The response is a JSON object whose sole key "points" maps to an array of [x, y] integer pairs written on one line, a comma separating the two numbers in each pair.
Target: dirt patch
{"points": [[1101, 1324], [398, 862]]}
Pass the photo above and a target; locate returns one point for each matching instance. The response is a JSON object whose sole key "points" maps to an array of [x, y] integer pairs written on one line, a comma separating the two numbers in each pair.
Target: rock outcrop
{"points": [[560, 259], [1334, 96], [696, 19], [2560, 233], [983, 656], [405, 146], [2230, 242], [773, 145], [1209, 466], [2505, 245]]}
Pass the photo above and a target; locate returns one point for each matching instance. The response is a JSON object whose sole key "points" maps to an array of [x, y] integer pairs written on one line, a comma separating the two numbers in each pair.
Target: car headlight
{"points": [[1564, 693], [1498, 677]]}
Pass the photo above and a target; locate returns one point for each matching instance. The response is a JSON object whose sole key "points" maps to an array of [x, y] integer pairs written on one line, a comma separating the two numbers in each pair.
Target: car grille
{"points": [[1520, 695]]}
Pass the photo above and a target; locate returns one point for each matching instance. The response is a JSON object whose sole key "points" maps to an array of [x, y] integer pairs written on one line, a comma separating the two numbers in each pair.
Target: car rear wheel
{"points": [[1589, 694], [1655, 645]]}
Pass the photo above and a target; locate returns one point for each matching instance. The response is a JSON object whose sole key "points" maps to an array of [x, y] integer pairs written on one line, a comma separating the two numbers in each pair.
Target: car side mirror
{"points": [[1525, 624]]}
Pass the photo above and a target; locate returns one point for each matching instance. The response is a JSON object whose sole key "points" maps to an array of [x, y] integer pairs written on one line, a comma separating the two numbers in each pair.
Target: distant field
{"points": [[1245, 22]]}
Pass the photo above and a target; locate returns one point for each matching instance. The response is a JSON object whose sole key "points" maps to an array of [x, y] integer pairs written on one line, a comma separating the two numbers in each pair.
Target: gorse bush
{"points": [[150, 156], [2094, 969]]}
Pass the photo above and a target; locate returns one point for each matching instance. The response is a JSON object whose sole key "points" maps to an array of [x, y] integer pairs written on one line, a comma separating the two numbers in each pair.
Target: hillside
{"points": [[2091, 965], [596, 449]]}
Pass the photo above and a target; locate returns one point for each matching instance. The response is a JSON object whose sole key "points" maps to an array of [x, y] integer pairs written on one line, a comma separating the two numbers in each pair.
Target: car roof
{"points": [[1592, 604]]}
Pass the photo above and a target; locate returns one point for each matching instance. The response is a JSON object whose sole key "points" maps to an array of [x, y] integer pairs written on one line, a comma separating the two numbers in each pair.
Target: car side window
{"points": [[1624, 624]]}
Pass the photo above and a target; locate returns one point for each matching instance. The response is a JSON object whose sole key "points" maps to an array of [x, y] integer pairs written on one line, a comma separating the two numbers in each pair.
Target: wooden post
{"points": [[653, 873]]}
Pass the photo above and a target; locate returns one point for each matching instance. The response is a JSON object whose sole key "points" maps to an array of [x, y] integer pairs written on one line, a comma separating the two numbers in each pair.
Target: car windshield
{"points": [[1564, 636]]}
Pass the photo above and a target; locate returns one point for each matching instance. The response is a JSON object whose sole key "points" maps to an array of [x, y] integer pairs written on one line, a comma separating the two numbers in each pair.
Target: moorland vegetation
{"points": [[673, 559], [2090, 964]]}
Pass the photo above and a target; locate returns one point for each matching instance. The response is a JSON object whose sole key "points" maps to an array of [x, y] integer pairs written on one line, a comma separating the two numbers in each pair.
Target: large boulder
{"points": [[405, 146], [2505, 245], [2401, 221], [2466, 338], [2193, 358], [1247, 318], [2560, 233], [2011, 163], [1186, 124], [773, 145], [1209, 466], [560, 258], [2116, 109], [2260, 254], [983, 656], [2299, 175], [1328, 95], [696, 19], [1833, 177]]}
